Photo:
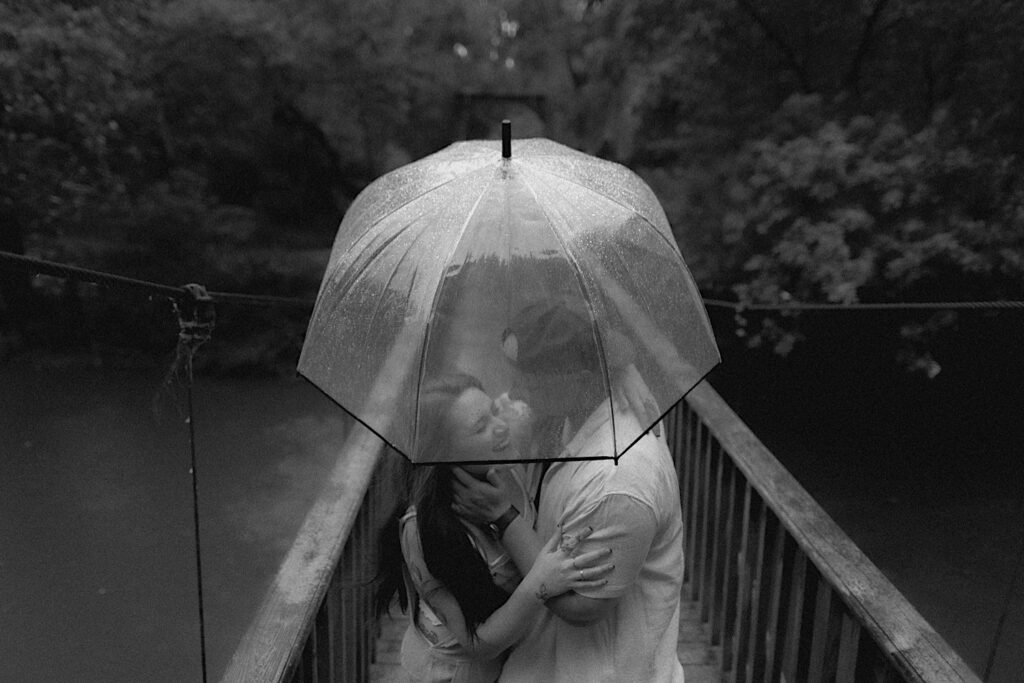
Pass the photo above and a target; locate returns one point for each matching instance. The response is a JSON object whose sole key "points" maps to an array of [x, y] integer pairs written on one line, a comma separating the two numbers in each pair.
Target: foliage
{"points": [[830, 151], [826, 210], [67, 92]]}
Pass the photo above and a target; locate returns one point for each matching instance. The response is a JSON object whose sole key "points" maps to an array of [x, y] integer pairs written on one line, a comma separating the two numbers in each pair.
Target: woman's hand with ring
{"points": [[570, 542], [555, 572]]}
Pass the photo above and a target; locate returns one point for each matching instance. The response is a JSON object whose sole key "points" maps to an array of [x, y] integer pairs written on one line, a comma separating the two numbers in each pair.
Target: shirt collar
{"points": [[598, 417]]}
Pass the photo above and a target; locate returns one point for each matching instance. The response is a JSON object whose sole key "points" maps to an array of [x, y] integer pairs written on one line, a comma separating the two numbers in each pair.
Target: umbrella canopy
{"points": [[546, 272]]}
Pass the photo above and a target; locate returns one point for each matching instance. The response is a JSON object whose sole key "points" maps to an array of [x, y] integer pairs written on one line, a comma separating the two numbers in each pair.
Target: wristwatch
{"points": [[499, 525]]}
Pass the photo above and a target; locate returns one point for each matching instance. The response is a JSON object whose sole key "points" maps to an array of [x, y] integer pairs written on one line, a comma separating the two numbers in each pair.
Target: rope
{"points": [[195, 524], [66, 272], [1007, 602], [195, 326], [118, 281], [863, 306], [196, 319]]}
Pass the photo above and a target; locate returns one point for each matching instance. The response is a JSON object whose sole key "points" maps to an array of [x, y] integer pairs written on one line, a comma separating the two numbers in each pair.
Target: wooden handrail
{"points": [[276, 637], [916, 651], [274, 640]]}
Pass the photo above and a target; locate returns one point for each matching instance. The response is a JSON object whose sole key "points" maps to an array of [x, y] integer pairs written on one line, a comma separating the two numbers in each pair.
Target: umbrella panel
{"points": [[427, 284]]}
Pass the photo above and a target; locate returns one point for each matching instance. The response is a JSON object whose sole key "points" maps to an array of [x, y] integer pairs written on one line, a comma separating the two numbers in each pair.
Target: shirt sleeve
{"points": [[627, 526]]}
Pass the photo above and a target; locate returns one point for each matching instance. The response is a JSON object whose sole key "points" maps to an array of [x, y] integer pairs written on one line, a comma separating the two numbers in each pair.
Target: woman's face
{"points": [[478, 432]]}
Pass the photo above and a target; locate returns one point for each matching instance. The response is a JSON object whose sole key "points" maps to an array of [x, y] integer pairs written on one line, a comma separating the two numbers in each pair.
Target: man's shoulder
{"points": [[645, 468], [644, 472]]}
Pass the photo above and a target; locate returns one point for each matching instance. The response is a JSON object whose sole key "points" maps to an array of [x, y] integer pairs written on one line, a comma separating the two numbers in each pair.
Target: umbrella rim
{"points": [[460, 463]]}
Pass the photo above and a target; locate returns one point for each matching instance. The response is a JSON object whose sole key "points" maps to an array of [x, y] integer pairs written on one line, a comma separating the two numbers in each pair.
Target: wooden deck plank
{"points": [[699, 659]]}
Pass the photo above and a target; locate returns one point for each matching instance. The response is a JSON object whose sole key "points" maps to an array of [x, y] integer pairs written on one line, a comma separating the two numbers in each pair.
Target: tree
{"points": [[840, 211], [69, 105]]}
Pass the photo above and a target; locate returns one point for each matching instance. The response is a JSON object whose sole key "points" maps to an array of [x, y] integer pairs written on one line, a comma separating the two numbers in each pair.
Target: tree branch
{"points": [[851, 81], [775, 37]]}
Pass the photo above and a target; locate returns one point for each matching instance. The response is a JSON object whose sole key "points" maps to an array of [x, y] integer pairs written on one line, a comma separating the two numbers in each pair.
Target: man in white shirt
{"points": [[626, 630]]}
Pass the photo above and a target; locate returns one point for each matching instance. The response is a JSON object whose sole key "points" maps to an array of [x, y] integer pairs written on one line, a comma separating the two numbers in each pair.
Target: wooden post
{"points": [[774, 602]]}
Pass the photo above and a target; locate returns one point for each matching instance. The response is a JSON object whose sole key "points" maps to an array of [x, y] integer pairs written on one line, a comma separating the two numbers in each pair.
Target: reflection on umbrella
{"points": [[437, 265]]}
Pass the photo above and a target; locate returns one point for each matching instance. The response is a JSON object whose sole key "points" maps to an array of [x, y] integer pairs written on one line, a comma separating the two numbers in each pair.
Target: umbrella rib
{"points": [[433, 306], [380, 301], [631, 209], [422, 194], [392, 238], [578, 272], [340, 297]]}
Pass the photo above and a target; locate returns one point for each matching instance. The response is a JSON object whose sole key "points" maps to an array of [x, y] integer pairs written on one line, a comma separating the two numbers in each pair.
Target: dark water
{"points": [[98, 559], [97, 562], [925, 475]]}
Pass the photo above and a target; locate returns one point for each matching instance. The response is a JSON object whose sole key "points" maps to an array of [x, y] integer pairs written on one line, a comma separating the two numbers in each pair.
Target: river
{"points": [[98, 560], [98, 557]]}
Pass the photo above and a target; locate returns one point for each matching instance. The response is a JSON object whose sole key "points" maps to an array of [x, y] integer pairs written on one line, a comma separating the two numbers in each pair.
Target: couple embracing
{"points": [[548, 571]]}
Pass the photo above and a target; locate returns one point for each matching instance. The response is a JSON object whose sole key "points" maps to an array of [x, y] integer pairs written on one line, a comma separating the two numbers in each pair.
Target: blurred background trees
{"points": [[837, 151]]}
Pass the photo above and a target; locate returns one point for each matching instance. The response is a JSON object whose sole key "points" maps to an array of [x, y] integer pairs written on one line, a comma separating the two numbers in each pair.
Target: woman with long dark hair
{"points": [[469, 602]]}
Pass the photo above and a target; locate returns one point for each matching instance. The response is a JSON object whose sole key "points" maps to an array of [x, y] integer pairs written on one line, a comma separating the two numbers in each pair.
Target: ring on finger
{"points": [[581, 575], [574, 563]]}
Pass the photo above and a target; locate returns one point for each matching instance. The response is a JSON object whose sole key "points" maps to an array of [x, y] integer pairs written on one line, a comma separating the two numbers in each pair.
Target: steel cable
{"points": [[863, 305], [60, 270], [66, 272]]}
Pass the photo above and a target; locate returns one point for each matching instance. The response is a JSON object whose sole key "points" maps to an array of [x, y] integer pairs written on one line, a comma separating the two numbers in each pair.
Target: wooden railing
{"points": [[315, 622], [784, 594]]}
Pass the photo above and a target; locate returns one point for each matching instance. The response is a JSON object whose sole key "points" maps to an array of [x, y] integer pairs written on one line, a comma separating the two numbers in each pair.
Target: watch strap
{"points": [[499, 525]]}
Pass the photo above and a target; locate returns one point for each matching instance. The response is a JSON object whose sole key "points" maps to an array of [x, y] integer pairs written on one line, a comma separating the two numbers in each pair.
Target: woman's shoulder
{"points": [[408, 515], [412, 552], [408, 530]]}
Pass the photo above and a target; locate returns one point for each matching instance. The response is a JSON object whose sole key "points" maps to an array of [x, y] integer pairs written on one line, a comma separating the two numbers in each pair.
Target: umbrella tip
{"points": [[506, 139]]}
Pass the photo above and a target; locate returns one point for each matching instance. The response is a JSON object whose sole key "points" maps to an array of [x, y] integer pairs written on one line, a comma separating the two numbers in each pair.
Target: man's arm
{"points": [[625, 525], [510, 621], [620, 522], [520, 540], [580, 611]]}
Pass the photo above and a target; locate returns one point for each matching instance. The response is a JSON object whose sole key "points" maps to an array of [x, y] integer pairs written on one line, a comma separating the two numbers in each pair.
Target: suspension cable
{"points": [[862, 305], [61, 270], [66, 272]]}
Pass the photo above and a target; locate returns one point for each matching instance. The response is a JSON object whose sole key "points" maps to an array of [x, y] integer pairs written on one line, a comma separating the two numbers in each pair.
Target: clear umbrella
{"points": [[532, 272]]}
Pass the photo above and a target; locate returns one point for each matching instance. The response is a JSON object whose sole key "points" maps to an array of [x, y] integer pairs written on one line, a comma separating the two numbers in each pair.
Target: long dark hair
{"points": [[447, 551]]}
